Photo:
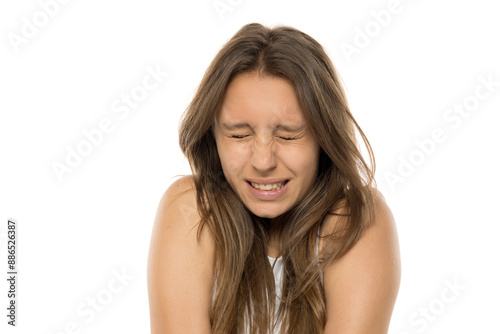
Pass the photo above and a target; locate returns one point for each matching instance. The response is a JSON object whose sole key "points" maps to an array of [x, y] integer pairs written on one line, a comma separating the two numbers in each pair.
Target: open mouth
{"points": [[269, 186]]}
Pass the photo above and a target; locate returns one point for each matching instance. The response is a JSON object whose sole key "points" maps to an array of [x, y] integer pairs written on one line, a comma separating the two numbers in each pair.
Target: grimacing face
{"points": [[268, 154]]}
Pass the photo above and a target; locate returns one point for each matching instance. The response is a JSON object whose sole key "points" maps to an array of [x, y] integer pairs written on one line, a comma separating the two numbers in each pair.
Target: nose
{"points": [[264, 156]]}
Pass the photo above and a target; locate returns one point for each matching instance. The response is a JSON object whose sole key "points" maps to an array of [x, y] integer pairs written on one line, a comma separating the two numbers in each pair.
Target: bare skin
{"points": [[262, 137], [179, 268], [360, 288]]}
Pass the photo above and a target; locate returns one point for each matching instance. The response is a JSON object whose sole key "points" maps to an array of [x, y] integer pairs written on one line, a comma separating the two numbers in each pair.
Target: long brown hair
{"points": [[244, 284]]}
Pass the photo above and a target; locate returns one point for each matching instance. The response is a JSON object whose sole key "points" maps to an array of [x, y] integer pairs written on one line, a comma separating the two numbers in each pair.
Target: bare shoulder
{"points": [[182, 189], [180, 266], [177, 210], [361, 287]]}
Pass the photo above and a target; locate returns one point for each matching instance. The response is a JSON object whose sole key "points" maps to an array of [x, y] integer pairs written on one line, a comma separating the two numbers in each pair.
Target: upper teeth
{"points": [[269, 186]]}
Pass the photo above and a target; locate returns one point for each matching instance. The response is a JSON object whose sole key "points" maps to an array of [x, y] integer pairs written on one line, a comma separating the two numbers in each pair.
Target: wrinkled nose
{"points": [[263, 156]]}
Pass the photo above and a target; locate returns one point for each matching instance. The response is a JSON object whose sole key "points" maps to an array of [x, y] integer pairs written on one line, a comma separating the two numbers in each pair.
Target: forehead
{"points": [[260, 99]]}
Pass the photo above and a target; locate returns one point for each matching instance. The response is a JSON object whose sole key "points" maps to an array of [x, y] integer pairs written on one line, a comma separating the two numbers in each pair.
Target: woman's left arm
{"points": [[362, 286]]}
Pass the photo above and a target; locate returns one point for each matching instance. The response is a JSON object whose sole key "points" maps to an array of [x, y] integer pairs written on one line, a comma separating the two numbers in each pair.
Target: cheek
{"points": [[303, 161], [233, 158]]}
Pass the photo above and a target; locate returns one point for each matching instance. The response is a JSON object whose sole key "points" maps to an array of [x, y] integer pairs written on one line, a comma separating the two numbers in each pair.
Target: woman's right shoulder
{"points": [[180, 264], [178, 210], [182, 189], [179, 202]]}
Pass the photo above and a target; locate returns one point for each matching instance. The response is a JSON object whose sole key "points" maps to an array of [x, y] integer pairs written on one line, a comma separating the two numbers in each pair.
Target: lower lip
{"points": [[267, 195]]}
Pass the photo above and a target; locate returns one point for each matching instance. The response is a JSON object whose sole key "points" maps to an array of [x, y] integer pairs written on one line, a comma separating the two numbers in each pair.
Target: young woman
{"points": [[280, 228]]}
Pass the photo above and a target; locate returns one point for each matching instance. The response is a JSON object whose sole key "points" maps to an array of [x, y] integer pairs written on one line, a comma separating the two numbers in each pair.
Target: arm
{"points": [[179, 268], [362, 286]]}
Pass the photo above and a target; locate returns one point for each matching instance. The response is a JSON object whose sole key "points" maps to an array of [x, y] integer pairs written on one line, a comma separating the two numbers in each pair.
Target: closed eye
{"points": [[288, 138], [239, 136]]}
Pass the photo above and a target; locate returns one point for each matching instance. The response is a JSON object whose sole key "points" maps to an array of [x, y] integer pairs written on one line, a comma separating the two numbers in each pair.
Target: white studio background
{"points": [[423, 81]]}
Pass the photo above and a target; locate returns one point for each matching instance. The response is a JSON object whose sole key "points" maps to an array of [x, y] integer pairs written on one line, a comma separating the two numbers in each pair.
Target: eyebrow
{"points": [[287, 128], [235, 126]]}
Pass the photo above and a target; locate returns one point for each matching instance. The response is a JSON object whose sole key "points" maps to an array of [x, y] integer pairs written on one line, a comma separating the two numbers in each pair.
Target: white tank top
{"points": [[278, 280], [278, 276], [278, 283], [278, 267]]}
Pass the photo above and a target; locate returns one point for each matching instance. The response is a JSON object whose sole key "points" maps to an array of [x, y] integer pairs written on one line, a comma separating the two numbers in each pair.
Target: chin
{"points": [[266, 212], [264, 215]]}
